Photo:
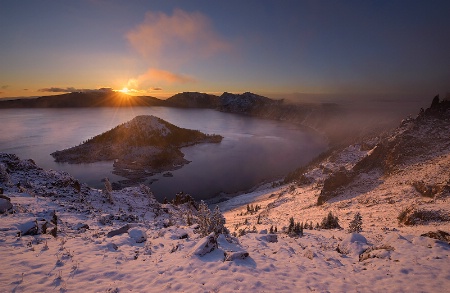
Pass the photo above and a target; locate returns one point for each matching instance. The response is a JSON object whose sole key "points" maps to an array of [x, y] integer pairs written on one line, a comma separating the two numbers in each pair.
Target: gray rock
{"points": [[230, 255], [270, 238], [204, 245], [5, 205], [138, 235], [120, 231]]}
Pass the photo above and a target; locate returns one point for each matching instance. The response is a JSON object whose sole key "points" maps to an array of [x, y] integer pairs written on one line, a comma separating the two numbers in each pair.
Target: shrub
{"points": [[413, 216]]}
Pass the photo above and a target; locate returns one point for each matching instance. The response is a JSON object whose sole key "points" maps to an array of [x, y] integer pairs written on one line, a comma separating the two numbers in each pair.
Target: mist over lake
{"points": [[253, 150]]}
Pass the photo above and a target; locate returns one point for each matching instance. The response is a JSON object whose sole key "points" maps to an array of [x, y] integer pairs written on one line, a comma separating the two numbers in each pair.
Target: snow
{"points": [[158, 251], [149, 122]]}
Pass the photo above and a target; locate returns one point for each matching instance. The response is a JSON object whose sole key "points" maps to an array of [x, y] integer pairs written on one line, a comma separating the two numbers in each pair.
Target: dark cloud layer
{"points": [[71, 90]]}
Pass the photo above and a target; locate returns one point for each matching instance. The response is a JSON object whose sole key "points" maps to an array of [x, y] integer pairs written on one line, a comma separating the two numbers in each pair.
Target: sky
{"points": [[160, 48]]}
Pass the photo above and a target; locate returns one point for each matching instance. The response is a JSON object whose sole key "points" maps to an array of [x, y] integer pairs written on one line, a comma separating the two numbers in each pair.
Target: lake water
{"points": [[253, 150]]}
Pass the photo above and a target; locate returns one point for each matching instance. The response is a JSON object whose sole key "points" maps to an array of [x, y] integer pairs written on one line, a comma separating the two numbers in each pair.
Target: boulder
{"points": [[204, 245], [138, 235], [354, 245], [5, 205]]}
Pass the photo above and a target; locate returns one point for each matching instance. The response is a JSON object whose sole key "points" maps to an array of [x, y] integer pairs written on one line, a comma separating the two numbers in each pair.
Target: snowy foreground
{"points": [[121, 241]]}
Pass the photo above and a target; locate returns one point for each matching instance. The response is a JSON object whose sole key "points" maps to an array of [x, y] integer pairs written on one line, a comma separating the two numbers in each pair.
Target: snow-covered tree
{"points": [[355, 225], [108, 191], [210, 222], [204, 218]]}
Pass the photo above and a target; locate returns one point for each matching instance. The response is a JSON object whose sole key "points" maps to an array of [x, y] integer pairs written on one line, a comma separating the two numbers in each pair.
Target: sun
{"points": [[125, 90]]}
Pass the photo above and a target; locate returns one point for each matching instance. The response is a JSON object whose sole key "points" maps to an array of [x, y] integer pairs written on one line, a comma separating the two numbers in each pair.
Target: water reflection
{"points": [[253, 149]]}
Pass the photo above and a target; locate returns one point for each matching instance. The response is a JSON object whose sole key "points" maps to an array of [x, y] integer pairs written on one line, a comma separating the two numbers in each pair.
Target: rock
{"points": [[382, 252], [230, 255], [28, 228], [112, 247], [106, 219], [138, 235], [4, 196], [120, 231], [264, 231], [5, 205], [270, 238], [81, 226], [354, 244], [204, 245]]}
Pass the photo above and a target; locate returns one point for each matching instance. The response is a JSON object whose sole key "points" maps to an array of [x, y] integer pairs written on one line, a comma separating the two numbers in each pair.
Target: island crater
{"points": [[139, 148]]}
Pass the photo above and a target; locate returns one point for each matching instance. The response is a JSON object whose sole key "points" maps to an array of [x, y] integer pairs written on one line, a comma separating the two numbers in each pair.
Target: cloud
{"points": [[156, 89], [180, 36], [71, 90], [4, 87], [153, 77]]}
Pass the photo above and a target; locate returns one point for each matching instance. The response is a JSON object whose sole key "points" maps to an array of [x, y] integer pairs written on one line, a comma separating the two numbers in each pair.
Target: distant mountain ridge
{"points": [[83, 100], [323, 117]]}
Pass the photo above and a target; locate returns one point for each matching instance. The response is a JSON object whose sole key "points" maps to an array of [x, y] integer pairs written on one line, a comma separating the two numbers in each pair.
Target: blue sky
{"points": [[269, 47]]}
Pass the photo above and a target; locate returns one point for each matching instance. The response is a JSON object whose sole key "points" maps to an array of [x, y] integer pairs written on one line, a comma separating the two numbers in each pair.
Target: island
{"points": [[139, 148]]}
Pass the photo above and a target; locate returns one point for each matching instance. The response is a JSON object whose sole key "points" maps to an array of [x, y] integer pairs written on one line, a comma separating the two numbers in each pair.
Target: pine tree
{"points": [[108, 190], [218, 222], [204, 219], [330, 222], [355, 225], [291, 225]]}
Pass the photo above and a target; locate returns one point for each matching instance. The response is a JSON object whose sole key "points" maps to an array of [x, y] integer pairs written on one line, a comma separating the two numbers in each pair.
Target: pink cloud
{"points": [[156, 77], [180, 36]]}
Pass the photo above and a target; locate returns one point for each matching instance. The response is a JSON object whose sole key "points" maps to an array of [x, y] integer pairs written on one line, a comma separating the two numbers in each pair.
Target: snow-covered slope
{"points": [[120, 241]]}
